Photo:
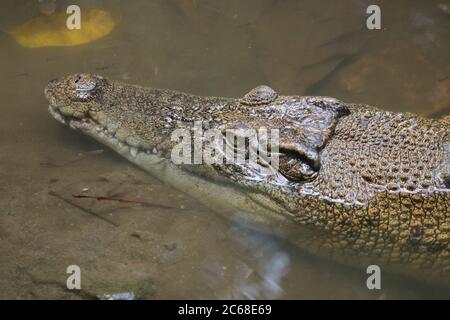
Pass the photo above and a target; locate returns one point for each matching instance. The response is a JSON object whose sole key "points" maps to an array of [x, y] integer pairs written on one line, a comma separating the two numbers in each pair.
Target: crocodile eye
{"points": [[298, 162], [295, 168], [84, 86]]}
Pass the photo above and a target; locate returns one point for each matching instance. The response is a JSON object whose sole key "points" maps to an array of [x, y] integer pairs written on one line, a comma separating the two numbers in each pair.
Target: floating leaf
{"points": [[51, 31]]}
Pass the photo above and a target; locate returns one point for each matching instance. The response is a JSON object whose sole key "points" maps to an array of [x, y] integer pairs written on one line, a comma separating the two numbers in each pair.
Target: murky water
{"points": [[210, 48]]}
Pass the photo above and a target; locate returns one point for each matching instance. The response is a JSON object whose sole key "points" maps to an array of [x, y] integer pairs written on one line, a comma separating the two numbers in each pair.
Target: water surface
{"points": [[220, 48]]}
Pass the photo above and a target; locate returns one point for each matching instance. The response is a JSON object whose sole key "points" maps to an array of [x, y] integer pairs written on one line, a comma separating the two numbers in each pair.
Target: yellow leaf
{"points": [[51, 31]]}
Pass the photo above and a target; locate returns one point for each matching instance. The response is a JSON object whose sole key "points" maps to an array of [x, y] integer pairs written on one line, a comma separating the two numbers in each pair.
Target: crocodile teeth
{"points": [[133, 151]]}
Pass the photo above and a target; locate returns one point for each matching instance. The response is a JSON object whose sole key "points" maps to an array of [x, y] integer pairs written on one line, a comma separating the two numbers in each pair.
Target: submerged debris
{"points": [[118, 296], [95, 214], [47, 6], [142, 203], [81, 156], [444, 7]]}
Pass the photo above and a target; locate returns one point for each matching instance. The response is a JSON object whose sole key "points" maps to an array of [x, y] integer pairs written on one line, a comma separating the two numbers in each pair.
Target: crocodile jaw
{"points": [[251, 208]]}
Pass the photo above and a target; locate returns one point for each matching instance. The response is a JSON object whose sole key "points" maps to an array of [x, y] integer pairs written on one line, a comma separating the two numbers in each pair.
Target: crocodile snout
{"points": [[49, 90]]}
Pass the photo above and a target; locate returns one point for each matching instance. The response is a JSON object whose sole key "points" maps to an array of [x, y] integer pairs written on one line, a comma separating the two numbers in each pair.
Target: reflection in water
{"points": [[272, 265]]}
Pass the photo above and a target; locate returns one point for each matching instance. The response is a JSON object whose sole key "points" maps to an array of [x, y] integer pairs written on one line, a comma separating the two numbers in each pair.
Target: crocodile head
{"points": [[142, 120]]}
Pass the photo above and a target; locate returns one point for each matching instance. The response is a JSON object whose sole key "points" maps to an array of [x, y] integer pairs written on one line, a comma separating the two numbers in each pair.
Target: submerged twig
{"points": [[52, 193], [118, 209], [69, 162], [142, 203]]}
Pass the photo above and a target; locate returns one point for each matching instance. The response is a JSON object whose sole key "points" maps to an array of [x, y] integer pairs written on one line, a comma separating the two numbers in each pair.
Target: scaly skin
{"points": [[360, 185]]}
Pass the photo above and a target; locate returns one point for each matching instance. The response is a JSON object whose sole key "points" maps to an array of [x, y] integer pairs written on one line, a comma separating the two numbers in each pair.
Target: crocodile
{"points": [[354, 183]]}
